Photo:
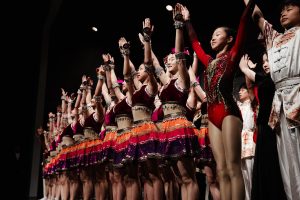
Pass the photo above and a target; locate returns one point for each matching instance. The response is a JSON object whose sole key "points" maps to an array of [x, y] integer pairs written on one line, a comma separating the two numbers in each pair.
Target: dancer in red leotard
{"points": [[225, 121]]}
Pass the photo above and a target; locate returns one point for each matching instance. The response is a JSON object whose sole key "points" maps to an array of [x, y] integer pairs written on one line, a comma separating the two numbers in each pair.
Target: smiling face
{"points": [[142, 75], [290, 16], [171, 64]]}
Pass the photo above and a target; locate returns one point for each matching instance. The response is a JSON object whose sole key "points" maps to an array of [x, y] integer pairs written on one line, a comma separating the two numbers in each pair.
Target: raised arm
{"points": [[159, 71], [203, 57], [115, 85], [83, 99], [97, 96], [63, 101], [62, 111], [184, 79], [148, 62], [76, 106], [89, 88], [244, 66], [47, 140], [105, 94], [51, 122], [257, 16], [108, 90], [125, 51], [136, 82], [70, 99], [239, 44]]}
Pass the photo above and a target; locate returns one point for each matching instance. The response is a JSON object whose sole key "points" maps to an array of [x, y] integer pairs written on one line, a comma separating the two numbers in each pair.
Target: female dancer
{"points": [[144, 140], [224, 116], [125, 172], [177, 137], [116, 175]]}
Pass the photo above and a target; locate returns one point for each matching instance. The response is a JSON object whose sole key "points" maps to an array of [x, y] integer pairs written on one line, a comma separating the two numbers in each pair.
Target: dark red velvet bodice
{"points": [[171, 93], [122, 108], [141, 97], [90, 122], [77, 128]]}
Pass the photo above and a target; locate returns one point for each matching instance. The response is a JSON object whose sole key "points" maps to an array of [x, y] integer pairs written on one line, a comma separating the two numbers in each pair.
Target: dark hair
{"points": [[203, 108], [243, 85], [290, 2], [230, 33], [189, 60]]}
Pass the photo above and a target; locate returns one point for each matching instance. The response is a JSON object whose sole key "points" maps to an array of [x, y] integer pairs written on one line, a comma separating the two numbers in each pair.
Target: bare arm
{"points": [[77, 103], [63, 101], [179, 48], [124, 48], [89, 84], [159, 71], [47, 141], [90, 109], [97, 96], [192, 99], [195, 63], [105, 94], [51, 122], [83, 98], [244, 66], [147, 31], [58, 121], [107, 90], [63, 119], [115, 85], [78, 99], [196, 86], [70, 100], [136, 82]]}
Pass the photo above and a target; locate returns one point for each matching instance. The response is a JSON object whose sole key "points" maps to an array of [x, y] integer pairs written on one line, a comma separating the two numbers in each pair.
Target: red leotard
{"points": [[219, 78]]}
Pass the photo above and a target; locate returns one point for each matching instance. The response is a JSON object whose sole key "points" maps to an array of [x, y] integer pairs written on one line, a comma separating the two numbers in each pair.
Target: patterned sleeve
{"points": [[269, 34]]}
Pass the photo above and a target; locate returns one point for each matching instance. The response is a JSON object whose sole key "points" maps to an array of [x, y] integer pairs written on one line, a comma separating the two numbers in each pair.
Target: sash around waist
{"points": [[288, 82]]}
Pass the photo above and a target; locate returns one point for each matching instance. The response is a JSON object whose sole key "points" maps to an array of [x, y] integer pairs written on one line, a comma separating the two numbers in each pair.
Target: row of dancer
{"points": [[178, 139], [131, 142], [140, 140]]}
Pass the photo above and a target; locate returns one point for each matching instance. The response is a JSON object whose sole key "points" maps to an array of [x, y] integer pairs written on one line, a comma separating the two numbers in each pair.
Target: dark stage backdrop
{"points": [[68, 48]]}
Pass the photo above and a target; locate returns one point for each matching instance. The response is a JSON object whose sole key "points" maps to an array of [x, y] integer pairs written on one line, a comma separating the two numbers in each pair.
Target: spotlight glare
{"points": [[94, 29], [169, 8]]}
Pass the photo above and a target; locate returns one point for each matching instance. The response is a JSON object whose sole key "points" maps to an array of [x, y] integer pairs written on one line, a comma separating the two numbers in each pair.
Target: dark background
{"points": [[74, 49]]}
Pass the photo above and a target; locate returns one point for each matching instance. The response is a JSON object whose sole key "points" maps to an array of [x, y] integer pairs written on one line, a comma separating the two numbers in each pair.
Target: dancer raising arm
{"points": [[225, 120]]}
